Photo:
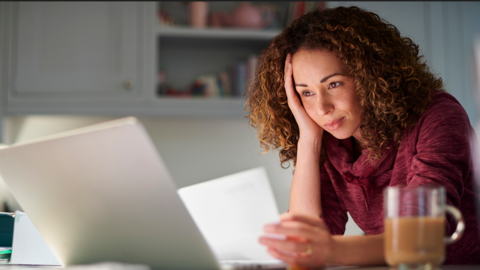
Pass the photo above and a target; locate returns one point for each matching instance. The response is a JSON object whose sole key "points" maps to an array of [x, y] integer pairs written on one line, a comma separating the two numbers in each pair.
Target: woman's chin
{"points": [[340, 135]]}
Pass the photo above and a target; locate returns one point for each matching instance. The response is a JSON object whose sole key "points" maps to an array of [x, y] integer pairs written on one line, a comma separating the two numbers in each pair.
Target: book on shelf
{"points": [[241, 70], [230, 82], [224, 81], [237, 77], [252, 63]]}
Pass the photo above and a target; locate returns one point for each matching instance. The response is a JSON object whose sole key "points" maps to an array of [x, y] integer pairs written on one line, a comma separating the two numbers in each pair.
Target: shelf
{"points": [[165, 107], [221, 33]]}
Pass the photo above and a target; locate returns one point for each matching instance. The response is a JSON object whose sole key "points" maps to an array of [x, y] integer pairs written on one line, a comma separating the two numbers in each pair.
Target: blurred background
{"points": [[181, 67]]}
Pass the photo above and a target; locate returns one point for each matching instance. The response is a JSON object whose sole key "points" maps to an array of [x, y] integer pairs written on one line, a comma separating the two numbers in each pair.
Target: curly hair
{"points": [[393, 83]]}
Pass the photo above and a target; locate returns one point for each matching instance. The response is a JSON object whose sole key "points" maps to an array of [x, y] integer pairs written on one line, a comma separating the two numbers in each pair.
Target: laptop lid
{"points": [[103, 193]]}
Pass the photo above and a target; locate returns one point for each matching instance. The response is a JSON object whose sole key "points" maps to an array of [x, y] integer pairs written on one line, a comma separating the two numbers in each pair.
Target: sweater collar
{"points": [[361, 171], [340, 154]]}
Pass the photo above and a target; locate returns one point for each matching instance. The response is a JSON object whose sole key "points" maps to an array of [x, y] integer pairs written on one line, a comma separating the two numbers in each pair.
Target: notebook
{"points": [[103, 193]]}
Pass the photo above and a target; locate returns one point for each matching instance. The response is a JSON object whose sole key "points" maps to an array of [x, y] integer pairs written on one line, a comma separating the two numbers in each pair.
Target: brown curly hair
{"points": [[393, 83]]}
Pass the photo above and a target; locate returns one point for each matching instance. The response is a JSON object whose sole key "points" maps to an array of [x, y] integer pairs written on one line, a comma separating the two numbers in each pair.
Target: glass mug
{"points": [[415, 226]]}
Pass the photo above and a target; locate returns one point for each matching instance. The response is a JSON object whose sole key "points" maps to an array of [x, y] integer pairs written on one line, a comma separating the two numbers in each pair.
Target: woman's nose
{"points": [[325, 106]]}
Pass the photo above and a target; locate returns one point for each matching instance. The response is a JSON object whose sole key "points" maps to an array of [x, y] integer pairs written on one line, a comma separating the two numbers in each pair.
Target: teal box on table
{"points": [[6, 230], [6, 237]]}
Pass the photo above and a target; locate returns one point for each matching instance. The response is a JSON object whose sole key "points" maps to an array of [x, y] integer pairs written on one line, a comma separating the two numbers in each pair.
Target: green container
{"points": [[6, 231]]}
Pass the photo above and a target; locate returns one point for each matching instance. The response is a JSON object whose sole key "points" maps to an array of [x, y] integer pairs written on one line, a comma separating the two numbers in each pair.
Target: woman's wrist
{"points": [[335, 248], [351, 250], [310, 143], [312, 146]]}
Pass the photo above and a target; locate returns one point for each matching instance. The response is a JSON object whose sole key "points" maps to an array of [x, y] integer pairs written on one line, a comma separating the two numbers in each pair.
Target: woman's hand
{"points": [[308, 241], [308, 128]]}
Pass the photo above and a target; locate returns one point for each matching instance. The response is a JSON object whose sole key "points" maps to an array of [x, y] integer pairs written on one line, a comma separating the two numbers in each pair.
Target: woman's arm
{"points": [[305, 189], [306, 233], [358, 250]]}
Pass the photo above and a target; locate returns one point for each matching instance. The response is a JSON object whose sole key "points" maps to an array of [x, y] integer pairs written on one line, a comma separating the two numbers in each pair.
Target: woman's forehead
{"points": [[319, 60]]}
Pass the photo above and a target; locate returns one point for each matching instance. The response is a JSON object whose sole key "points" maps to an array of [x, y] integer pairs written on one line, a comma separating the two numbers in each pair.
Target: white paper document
{"points": [[230, 212], [28, 245]]}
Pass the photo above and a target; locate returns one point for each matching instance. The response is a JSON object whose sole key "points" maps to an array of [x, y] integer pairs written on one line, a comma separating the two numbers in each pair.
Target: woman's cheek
{"points": [[308, 108], [312, 112]]}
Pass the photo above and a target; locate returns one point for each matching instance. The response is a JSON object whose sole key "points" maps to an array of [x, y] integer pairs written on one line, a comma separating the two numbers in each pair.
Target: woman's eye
{"points": [[333, 85], [306, 93]]}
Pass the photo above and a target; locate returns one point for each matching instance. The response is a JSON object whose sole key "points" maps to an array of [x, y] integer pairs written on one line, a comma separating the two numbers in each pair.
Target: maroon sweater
{"points": [[434, 152]]}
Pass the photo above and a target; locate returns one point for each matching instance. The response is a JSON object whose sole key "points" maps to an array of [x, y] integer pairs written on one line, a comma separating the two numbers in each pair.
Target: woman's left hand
{"points": [[308, 241]]}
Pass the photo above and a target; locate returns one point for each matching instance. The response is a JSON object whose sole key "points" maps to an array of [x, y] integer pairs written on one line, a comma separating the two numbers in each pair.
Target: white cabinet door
{"points": [[75, 49]]}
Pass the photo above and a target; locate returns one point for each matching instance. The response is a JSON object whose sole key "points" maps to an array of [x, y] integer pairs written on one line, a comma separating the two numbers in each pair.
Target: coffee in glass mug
{"points": [[415, 226]]}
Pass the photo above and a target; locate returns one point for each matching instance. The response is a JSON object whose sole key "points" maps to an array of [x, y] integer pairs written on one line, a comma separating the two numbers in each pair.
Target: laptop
{"points": [[103, 193]]}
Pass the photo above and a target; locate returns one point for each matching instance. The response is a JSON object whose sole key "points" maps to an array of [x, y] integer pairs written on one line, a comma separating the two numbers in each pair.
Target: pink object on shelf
{"points": [[248, 16], [220, 19], [198, 14]]}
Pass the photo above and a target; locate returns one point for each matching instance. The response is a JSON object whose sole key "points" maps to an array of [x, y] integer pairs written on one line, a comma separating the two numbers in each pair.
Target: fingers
{"points": [[292, 97], [288, 60], [289, 258], [290, 247], [307, 243], [301, 231], [313, 221], [307, 261]]}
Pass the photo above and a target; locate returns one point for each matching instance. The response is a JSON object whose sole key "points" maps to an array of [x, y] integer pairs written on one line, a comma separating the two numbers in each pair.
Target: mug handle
{"points": [[457, 215]]}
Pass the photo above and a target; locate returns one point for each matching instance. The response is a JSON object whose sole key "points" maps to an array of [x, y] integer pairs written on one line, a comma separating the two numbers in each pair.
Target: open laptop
{"points": [[103, 193]]}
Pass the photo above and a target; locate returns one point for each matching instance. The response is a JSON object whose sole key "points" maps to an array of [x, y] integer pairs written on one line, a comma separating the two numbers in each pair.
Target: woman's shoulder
{"points": [[444, 123], [445, 99], [445, 111]]}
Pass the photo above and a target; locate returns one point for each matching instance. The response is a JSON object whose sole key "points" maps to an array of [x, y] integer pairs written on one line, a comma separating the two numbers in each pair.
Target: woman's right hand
{"points": [[307, 241], [309, 130]]}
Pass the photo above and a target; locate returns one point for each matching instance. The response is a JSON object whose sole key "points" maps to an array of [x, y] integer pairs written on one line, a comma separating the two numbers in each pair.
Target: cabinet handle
{"points": [[128, 84]]}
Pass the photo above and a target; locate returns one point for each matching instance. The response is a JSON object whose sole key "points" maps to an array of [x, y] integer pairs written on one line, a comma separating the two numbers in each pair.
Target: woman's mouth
{"points": [[335, 124]]}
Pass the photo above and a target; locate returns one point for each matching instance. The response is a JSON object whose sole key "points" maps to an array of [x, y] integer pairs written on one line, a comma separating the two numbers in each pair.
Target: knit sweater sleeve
{"points": [[332, 213], [442, 155]]}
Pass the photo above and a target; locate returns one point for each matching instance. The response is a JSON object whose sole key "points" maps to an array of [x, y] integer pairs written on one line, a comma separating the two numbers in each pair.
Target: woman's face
{"points": [[327, 92]]}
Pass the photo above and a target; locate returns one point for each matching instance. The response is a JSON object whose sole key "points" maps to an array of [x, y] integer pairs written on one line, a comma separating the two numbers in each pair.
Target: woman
{"points": [[356, 109]]}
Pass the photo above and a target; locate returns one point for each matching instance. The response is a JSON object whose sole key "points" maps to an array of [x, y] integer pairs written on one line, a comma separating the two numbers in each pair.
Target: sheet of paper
{"points": [[230, 212], [28, 245]]}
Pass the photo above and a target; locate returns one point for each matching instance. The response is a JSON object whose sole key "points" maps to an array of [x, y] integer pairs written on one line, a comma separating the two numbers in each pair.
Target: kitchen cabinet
{"points": [[61, 57], [86, 49], [102, 58]]}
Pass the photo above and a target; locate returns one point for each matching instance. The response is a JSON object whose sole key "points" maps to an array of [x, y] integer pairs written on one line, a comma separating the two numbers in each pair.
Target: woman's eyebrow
{"points": [[329, 76], [322, 81]]}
